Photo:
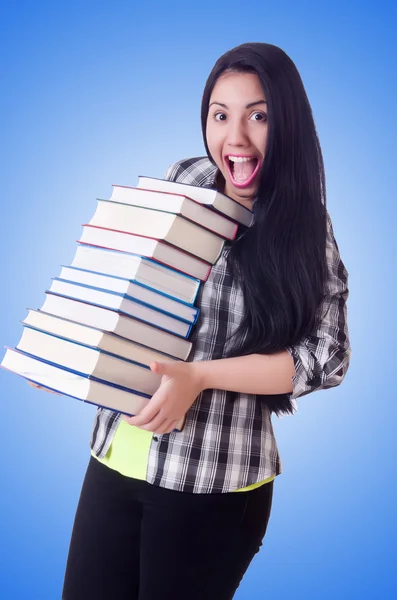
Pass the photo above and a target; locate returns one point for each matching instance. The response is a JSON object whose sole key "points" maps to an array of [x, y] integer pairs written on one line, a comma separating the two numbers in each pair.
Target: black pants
{"points": [[135, 541]]}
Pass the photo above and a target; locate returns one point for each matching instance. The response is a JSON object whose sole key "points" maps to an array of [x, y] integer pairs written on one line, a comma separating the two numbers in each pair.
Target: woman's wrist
{"points": [[198, 371]]}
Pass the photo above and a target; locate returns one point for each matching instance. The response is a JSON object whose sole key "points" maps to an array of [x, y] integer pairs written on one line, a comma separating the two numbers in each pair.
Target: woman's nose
{"points": [[237, 134]]}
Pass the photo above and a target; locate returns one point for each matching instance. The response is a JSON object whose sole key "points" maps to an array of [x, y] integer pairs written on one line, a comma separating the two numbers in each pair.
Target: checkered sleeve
{"points": [[322, 359], [171, 172], [192, 171]]}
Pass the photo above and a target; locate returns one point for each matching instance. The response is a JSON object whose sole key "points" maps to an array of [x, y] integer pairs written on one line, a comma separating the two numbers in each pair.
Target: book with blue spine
{"points": [[133, 290], [137, 268], [120, 303], [94, 337], [112, 321], [88, 362], [75, 386]]}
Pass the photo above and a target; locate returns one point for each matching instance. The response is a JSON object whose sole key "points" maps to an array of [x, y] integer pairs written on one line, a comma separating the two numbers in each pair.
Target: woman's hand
{"points": [[40, 387], [179, 388]]}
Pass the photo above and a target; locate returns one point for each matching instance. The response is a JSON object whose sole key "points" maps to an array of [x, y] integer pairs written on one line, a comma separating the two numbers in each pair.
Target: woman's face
{"points": [[236, 133]]}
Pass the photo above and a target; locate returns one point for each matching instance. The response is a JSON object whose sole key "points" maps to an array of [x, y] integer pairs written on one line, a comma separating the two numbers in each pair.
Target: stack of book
{"points": [[128, 297]]}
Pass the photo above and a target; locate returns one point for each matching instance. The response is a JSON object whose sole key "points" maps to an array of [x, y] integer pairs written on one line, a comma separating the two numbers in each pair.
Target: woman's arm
{"points": [[318, 361], [253, 374], [182, 383]]}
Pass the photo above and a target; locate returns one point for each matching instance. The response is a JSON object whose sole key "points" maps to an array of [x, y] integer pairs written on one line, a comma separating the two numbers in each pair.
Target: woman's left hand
{"points": [[179, 388]]}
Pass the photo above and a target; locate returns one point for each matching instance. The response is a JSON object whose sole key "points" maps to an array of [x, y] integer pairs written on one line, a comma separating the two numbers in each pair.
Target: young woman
{"points": [[159, 515]]}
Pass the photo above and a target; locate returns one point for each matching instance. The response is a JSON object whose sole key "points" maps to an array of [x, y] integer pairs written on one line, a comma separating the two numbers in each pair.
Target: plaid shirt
{"points": [[229, 444]]}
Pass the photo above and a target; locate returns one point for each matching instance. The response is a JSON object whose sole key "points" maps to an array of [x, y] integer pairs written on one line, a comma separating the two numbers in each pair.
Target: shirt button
{"points": [[156, 439]]}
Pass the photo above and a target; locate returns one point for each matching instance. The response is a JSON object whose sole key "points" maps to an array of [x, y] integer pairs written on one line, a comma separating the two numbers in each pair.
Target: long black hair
{"points": [[279, 261]]}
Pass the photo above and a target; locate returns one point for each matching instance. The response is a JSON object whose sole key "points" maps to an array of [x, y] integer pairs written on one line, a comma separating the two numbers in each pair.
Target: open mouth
{"points": [[242, 169]]}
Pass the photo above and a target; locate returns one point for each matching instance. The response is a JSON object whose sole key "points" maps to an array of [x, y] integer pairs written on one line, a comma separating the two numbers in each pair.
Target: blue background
{"points": [[95, 93]]}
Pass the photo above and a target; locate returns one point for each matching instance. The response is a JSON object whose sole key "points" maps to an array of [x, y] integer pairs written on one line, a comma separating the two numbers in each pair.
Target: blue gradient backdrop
{"points": [[95, 93]]}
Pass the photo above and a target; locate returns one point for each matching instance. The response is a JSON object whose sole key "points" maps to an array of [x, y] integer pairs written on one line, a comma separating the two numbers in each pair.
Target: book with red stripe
{"points": [[159, 225], [177, 204], [102, 237]]}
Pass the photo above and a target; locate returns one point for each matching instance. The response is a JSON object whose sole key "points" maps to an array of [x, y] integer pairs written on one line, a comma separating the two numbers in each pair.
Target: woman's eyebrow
{"points": [[250, 105]]}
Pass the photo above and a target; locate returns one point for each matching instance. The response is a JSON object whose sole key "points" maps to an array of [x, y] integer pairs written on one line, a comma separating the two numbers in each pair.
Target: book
{"points": [[76, 386], [207, 196], [159, 225], [131, 290], [94, 337], [177, 204], [137, 268], [151, 248], [113, 322], [89, 362], [121, 303]]}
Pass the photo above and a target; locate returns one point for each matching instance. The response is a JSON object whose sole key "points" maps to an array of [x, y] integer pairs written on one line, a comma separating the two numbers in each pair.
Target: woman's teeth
{"points": [[239, 158]]}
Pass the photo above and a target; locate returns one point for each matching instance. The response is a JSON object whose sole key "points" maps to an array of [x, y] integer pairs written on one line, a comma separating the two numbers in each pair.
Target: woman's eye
{"points": [[220, 117], [258, 116]]}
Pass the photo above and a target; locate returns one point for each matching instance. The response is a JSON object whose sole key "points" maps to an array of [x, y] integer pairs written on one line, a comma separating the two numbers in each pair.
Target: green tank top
{"points": [[129, 451]]}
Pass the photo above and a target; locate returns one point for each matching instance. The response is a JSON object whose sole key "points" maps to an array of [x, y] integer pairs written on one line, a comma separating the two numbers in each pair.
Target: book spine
{"points": [[179, 335], [136, 282], [58, 391], [160, 262], [154, 262], [119, 312], [180, 211], [96, 348], [131, 299], [170, 296], [110, 333], [214, 231], [81, 374]]}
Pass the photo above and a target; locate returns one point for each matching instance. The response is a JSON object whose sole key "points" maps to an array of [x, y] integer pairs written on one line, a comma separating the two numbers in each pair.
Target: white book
{"points": [[122, 304], [177, 204], [159, 225], [156, 249], [206, 196], [113, 322], [96, 338], [133, 290], [137, 268], [90, 362], [76, 386]]}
